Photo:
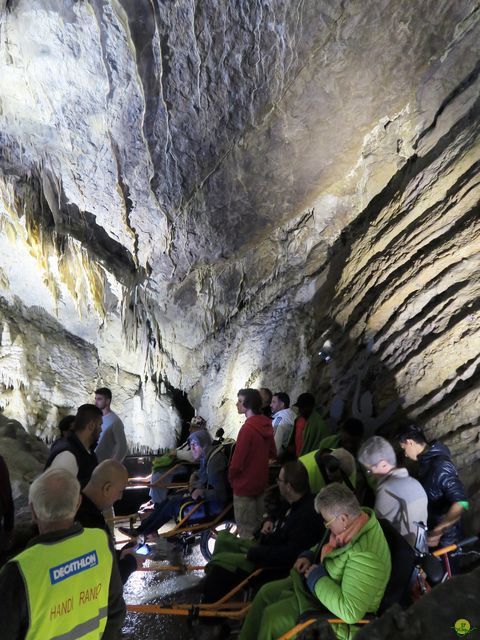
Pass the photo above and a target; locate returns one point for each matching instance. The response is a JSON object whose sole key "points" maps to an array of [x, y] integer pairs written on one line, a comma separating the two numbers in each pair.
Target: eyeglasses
{"points": [[369, 468], [327, 524]]}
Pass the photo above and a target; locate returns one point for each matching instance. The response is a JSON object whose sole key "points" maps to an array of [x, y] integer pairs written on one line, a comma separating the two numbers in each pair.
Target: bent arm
{"points": [[120, 448], [362, 580], [449, 519], [13, 603], [240, 454]]}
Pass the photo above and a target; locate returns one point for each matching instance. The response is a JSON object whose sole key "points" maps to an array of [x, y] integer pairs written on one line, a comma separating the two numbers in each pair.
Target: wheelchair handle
{"points": [[454, 547]]}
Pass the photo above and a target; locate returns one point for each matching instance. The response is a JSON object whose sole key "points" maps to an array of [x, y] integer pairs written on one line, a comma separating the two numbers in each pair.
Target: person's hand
{"points": [[267, 527], [197, 494], [311, 568], [433, 538], [172, 452], [302, 565], [131, 551]]}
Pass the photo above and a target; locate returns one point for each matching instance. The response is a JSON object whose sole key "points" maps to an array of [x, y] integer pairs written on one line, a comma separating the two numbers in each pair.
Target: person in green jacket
{"points": [[345, 575], [309, 429]]}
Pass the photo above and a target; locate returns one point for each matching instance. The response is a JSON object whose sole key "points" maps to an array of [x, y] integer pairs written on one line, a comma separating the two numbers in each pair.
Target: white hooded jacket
{"points": [[282, 423]]}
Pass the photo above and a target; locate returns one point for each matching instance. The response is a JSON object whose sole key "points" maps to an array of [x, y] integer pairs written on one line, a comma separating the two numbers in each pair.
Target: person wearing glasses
{"points": [[399, 498], [447, 499], [345, 575], [276, 546]]}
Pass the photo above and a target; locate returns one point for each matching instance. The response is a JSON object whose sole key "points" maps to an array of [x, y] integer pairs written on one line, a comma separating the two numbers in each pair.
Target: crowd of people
{"points": [[321, 543]]}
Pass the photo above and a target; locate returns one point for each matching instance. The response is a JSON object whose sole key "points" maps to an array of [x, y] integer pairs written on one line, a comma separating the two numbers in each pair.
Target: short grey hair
{"points": [[54, 495], [376, 449], [337, 498]]}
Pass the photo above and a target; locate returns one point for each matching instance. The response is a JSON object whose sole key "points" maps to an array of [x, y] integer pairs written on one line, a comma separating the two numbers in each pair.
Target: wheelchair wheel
{"points": [[209, 537]]}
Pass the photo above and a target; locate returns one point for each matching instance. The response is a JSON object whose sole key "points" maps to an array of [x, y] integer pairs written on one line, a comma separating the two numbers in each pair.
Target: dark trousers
{"points": [[170, 507]]}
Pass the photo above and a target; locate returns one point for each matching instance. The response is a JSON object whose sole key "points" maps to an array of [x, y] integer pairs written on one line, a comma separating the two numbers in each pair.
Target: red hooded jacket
{"points": [[248, 473]]}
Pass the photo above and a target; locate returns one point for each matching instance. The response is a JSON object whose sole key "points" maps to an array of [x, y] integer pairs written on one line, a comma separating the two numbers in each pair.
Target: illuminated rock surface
{"points": [[201, 193]]}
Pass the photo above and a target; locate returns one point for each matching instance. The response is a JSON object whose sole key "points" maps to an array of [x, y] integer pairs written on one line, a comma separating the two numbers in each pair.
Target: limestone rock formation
{"points": [[25, 457], [198, 195]]}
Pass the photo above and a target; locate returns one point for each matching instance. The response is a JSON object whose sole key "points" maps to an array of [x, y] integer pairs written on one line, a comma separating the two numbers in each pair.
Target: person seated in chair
{"points": [[170, 461], [208, 485], [345, 577], [277, 544], [399, 498]]}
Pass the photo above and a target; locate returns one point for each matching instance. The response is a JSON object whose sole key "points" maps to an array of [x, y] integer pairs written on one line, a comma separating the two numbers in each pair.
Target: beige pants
{"points": [[248, 514]]}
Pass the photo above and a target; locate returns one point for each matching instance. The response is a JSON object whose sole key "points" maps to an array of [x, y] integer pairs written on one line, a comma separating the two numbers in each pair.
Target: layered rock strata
{"points": [[203, 194]]}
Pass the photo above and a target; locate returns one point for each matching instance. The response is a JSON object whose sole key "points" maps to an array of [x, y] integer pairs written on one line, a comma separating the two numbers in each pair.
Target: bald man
{"points": [[66, 582], [105, 487]]}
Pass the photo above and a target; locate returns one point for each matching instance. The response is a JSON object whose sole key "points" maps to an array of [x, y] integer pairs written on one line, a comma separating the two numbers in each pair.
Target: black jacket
{"points": [[439, 478], [86, 460], [90, 517], [299, 528], [7, 509]]}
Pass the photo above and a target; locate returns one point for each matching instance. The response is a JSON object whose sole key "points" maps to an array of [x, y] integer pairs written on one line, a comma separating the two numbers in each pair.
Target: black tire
{"points": [[209, 536]]}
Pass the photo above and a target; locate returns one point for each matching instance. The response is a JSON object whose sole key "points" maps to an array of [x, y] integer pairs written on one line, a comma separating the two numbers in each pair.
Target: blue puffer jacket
{"points": [[439, 478]]}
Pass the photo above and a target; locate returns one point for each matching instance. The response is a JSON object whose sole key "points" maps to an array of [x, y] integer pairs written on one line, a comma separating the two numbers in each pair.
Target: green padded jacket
{"points": [[358, 574]]}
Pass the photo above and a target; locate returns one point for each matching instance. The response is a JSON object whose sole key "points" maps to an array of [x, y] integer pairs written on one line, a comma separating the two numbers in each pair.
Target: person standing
{"points": [[283, 419], [66, 582], [105, 487], [74, 452], [248, 472], [112, 442], [447, 499], [310, 428]]}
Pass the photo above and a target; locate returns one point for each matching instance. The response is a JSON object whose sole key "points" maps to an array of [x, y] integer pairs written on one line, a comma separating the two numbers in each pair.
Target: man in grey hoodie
{"points": [[399, 498]]}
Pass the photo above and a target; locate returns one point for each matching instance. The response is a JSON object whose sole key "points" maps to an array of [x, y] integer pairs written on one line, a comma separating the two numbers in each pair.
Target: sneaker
{"points": [[128, 531]]}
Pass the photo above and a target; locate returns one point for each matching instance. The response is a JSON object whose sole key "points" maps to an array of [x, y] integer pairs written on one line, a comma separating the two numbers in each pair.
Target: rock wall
{"points": [[201, 194]]}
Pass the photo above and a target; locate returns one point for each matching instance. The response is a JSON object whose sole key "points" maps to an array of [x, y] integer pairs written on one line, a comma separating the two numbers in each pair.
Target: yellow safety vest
{"points": [[67, 585], [315, 477]]}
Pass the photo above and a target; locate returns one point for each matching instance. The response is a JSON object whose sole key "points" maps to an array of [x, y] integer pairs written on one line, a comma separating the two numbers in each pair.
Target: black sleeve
{"points": [[449, 482], [116, 605], [13, 603], [7, 507], [303, 533], [126, 566], [217, 479]]}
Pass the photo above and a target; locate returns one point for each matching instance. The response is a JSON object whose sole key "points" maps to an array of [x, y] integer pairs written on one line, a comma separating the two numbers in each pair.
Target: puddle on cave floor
{"points": [[163, 587]]}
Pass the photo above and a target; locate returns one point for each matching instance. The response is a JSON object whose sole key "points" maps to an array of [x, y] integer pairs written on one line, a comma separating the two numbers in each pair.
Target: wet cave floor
{"points": [[165, 588]]}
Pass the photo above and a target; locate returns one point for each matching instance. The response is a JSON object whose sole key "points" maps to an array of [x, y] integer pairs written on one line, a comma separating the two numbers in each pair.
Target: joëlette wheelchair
{"points": [[193, 521], [415, 571], [233, 605]]}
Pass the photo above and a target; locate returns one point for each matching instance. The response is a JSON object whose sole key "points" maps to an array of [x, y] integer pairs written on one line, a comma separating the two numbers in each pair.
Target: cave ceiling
{"points": [[197, 194]]}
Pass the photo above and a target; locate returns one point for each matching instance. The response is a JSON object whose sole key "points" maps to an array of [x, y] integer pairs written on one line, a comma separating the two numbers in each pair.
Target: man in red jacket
{"points": [[248, 472]]}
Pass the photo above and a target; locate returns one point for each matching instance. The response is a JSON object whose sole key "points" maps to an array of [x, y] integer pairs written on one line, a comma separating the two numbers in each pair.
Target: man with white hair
{"points": [[399, 498], [66, 583]]}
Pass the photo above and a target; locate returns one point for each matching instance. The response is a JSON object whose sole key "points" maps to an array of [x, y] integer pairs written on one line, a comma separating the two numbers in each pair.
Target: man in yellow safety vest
{"points": [[66, 582]]}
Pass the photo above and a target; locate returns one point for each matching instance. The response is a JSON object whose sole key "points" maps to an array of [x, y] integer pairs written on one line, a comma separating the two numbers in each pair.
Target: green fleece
{"points": [[315, 430], [230, 553], [357, 577]]}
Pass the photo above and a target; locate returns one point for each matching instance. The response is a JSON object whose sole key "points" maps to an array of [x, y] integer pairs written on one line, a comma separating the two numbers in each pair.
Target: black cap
{"points": [[305, 400]]}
